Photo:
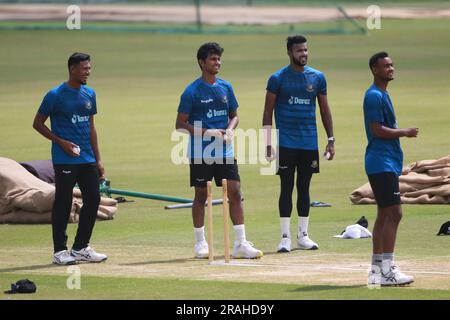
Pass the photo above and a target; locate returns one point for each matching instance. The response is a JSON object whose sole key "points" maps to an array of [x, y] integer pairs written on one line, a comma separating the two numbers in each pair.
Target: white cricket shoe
{"points": [[88, 254], [201, 250], [63, 258], [392, 276], [305, 243], [374, 277], [245, 250], [285, 245]]}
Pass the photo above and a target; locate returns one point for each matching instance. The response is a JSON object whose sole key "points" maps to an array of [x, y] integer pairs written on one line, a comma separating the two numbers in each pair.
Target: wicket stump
{"points": [[226, 235]]}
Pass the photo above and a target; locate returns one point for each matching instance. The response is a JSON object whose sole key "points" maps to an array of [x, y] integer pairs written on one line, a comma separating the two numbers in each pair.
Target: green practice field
{"points": [[139, 77]]}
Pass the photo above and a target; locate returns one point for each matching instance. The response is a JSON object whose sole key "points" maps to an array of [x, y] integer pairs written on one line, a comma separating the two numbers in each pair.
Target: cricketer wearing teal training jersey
{"points": [[383, 163], [292, 93], [208, 113], [76, 158]]}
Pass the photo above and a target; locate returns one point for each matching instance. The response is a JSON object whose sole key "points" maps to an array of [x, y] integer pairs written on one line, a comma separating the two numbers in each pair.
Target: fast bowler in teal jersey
{"points": [[208, 113], [295, 106], [70, 110], [71, 107], [382, 155], [292, 93], [383, 164]]}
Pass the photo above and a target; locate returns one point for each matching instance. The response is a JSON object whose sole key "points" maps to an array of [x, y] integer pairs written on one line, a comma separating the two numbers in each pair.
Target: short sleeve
{"points": [[47, 106], [233, 104], [373, 108], [273, 85], [94, 103], [322, 89], [185, 102]]}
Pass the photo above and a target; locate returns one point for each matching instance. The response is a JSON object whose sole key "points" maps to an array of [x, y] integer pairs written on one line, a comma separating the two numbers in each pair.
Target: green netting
{"points": [[240, 2], [342, 25], [307, 28]]}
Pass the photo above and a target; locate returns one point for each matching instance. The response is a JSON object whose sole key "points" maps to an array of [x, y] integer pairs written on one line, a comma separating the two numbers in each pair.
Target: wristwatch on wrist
{"points": [[331, 139]]}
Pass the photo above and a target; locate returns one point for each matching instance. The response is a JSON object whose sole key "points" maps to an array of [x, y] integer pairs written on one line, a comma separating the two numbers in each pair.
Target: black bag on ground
{"points": [[363, 222], [22, 286], [445, 229]]}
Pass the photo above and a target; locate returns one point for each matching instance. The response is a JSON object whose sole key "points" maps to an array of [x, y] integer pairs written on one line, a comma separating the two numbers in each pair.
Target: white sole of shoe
{"points": [[65, 264], [396, 284], [90, 261], [240, 257], [312, 248]]}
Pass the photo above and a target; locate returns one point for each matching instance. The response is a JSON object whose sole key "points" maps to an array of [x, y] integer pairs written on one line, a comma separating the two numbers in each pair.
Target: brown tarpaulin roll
{"points": [[25, 199], [421, 182]]}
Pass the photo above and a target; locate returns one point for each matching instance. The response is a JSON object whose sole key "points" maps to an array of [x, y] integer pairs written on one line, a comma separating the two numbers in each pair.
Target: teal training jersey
{"points": [[208, 106], [382, 155], [69, 110], [295, 106]]}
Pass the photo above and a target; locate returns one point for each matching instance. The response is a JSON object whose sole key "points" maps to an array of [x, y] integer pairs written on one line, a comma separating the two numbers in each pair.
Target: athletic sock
{"points": [[240, 232], [285, 224], [199, 234], [302, 227], [388, 256], [377, 260]]}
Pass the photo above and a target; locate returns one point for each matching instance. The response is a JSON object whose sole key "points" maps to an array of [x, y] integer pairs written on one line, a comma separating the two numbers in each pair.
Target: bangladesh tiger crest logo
{"points": [[224, 99]]}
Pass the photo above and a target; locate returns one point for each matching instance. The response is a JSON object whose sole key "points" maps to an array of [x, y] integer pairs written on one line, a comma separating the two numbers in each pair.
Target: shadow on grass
{"points": [[193, 259], [285, 254], [162, 262], [25, 268], [325, 288], [216, 258]]}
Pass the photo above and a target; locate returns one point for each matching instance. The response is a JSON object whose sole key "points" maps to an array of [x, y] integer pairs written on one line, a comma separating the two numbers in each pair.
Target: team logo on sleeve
{"points": [[88, 105], [314, 164]]}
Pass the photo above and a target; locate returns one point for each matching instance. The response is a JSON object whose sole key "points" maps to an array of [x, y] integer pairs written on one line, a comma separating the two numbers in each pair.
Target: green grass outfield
{"points": [[139, 77], [106, 288]]}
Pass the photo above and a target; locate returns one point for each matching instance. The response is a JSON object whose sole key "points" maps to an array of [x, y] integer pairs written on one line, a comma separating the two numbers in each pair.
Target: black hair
{"points": [[76, 58], [374, 59], [209, 48], [290, 41]]}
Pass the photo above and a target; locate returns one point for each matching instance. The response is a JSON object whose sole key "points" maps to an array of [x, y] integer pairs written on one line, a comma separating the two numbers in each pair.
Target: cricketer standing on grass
{"points": [[71, 107], [383, 165], [208, 112], [292, 92]]}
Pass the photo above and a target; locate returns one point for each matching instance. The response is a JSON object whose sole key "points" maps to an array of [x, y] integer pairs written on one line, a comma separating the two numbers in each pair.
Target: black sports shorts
{"points": [[202, 172], [385, 188], [303, 160]]}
